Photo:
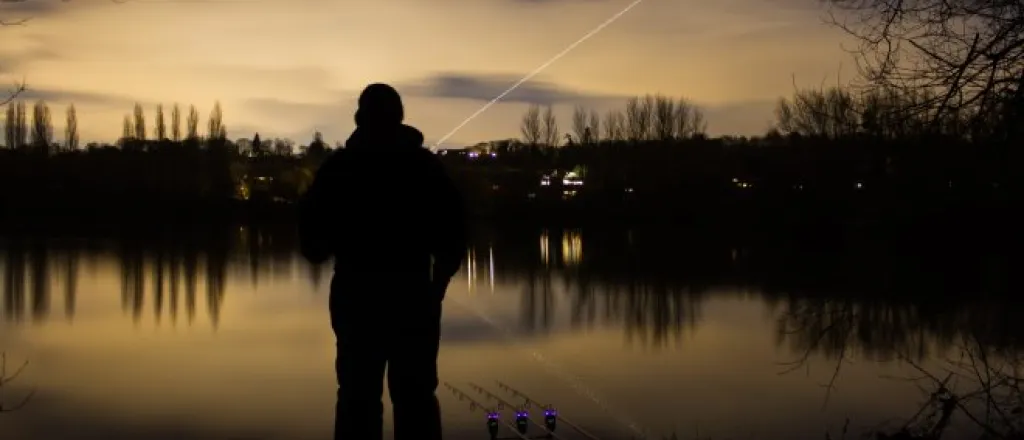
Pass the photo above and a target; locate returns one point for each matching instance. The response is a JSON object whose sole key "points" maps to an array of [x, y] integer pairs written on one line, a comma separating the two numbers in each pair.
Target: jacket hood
{"points": [[398, 136]]}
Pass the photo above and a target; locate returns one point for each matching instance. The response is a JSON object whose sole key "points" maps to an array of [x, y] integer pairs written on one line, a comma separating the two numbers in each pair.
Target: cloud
{"points": [[15, 11], [487, 87], [77, 97], [274, 81], [28, 8], [16, 62]]}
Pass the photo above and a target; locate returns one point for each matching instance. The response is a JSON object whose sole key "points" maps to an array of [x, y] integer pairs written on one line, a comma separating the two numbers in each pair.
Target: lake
{"points": [[226, 335]]}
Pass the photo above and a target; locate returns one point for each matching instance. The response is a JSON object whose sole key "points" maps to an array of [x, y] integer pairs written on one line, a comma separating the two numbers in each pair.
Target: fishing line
{"points": [[574, 381], [539, 69]]}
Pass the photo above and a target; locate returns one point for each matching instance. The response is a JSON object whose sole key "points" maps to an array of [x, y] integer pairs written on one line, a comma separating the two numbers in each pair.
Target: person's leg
{"points": [[360, 367], [412, 372]]}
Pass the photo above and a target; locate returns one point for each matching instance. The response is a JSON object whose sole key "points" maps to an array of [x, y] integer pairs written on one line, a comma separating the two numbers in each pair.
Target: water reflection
{"points": [[653, 286], [165, 275], [717, 303]]}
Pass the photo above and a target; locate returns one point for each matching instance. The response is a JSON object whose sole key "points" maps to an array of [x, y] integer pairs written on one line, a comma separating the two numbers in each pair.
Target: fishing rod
{"points": [[550, 414], [522, 395], [494, 419]]}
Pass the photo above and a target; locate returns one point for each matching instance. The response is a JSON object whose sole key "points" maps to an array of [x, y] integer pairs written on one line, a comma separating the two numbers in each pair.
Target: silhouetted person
{"points": [[388, 213]]}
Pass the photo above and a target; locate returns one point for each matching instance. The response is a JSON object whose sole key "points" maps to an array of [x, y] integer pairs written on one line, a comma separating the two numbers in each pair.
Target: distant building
{"points": [[473, 152]]}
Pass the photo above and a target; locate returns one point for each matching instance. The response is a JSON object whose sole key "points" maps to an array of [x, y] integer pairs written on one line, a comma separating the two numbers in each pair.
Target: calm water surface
{"points": [[625, 332]]}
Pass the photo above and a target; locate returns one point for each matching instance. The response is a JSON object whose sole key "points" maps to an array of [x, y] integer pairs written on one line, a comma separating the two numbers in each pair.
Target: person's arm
{"points": [[314, 213], [451, 239]]}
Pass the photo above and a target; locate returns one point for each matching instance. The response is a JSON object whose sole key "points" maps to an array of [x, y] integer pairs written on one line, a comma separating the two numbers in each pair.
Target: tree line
{"points": [[644, 118], [31, 129], [830, 155], [157, 165]]}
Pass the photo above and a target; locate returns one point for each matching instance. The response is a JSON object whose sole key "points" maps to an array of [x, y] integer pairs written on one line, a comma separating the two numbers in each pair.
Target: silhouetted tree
{"points": [[176, 123], [161, 129], [579, 124], [638, 119], [664, 118], [549, 129], [21, 128], [192, 123], [689, 120], [243, 145], [127, 131], [42, 127], [257, 145], [318, 147], [284, 147], [216, 124], [614, 125], [11, 126], [889, 114], [966, 55], [71, 129], [530, 126], [139, 123], [595, 125]]}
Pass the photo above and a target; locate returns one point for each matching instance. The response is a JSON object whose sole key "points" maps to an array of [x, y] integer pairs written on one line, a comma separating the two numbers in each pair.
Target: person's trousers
{"points": [[401, 339]]}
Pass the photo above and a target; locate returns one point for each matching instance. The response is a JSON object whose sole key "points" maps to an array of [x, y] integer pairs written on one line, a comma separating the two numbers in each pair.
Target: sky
{"points": [[288, 68]]}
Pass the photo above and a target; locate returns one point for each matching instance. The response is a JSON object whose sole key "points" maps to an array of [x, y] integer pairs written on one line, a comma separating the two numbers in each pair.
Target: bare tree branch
{"points": [[6, 379], [968, 56]]}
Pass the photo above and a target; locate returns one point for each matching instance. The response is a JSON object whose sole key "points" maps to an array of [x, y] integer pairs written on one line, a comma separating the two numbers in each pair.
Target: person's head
{"points": [[379, 106]]}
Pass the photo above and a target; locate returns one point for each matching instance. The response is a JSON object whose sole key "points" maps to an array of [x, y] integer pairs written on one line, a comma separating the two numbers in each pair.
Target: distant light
{"points": [[473, 154], [629, 190], [859, 185], [494, 154], [572, 179], [735, 180]]}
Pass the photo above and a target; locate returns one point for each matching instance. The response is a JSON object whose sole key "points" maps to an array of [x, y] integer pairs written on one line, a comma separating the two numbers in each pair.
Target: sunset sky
{"points": [[286, 68]]}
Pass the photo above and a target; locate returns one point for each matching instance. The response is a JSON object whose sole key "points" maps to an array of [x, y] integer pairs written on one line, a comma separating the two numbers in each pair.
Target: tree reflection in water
{"points": [[154, 270], [652, 284], [876, 301]]}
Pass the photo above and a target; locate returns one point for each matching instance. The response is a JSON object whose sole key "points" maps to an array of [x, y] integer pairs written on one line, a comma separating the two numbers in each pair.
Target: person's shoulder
{"points": [[335, 161], [425, 153], [429, 159]]}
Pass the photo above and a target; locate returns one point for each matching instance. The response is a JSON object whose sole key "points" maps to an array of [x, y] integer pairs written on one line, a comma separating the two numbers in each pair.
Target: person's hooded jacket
{"points": [[384, 205]]}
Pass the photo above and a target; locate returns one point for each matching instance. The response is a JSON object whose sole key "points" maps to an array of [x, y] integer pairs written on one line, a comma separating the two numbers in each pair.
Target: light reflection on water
{"points": [[228, 337]]}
